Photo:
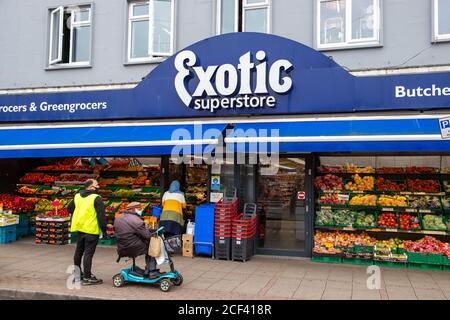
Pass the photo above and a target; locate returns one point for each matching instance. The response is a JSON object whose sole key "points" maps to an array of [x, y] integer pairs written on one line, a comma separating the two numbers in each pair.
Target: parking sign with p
{"points": [[444, 125]]}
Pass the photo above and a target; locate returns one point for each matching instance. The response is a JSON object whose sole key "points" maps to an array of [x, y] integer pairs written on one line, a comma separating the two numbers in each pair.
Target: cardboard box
{"points": [[188, 245]]}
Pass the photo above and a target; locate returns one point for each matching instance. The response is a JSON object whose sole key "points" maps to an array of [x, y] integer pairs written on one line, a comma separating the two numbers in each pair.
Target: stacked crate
{"points": [[244, 233], [225, 211], [8, 234], [52, 231], [23, 228]]}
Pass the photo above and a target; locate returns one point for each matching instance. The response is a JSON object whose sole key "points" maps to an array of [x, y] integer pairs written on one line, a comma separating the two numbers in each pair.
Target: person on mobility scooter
{"points": [[133, 238], [132, 241]]}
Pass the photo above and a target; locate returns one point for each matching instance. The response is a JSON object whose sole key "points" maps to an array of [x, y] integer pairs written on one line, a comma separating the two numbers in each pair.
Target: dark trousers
{"points": [[150, 263], [86, 245]]}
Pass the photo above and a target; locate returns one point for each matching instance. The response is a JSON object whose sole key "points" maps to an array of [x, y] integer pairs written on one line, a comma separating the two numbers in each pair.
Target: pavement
{"points": [[30, 271]]}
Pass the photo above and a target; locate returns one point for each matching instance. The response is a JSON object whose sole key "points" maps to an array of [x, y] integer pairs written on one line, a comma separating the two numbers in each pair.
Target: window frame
{"points": [[435, 36], [219, 16], [248, 7], [350, 43], [60, 36], [152, 55], [265, 4], [73, 25], [72, 9]]}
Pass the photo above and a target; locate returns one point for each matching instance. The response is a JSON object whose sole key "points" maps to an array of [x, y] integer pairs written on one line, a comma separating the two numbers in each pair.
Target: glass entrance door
{"points": [[281, 199]]}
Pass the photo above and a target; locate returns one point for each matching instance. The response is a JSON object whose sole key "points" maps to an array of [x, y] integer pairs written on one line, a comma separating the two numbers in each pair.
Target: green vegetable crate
{"points": [[445, 263], [390, 264], [424, 258], [107, 242], [326, 258], [362, 249], [357, 261]]}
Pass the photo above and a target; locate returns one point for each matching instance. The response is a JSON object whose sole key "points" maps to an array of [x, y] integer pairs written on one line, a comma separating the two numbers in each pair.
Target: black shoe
{"points": [[154, 274], [91, 281]]}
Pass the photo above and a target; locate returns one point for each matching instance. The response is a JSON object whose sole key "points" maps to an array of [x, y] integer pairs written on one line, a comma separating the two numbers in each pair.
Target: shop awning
{"points": [[116, 139], [344, 134]]}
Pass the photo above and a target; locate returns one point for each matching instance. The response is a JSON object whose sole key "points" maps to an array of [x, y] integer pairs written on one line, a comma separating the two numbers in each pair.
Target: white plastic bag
{"points": [[190, 227]]}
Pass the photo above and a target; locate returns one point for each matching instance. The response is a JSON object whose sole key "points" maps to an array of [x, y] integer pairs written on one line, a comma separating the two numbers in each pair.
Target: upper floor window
{"points": [[70, 36], [441, 20], [243, 15], [347, 23], [150, 30]]}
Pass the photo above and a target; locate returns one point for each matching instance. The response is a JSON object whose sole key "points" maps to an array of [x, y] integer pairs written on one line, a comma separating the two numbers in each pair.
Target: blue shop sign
{"points": [[238, 74]]}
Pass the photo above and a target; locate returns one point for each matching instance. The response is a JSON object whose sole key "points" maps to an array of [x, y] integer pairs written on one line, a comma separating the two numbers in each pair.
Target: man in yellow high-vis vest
{"points": [[89, 220]]}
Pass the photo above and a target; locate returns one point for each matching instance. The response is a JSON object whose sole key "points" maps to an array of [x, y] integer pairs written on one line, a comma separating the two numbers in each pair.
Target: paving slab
{"points": [[433, 294], [284, 287], [38, 271], [400, 293]]}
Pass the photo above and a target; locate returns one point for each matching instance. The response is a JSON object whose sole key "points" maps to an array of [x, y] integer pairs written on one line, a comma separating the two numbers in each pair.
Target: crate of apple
{"points": [[332, 199], [423, 185], [409, 221], [387, 220], [328, 182]]}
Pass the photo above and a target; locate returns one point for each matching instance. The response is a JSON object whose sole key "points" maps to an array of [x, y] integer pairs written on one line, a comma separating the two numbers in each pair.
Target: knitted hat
{"points": [[133, 205]]}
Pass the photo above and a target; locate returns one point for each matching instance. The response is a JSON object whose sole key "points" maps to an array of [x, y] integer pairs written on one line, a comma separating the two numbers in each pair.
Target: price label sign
{"points": [[55, 203], [301, 195], [343, 197], [16, 200]]}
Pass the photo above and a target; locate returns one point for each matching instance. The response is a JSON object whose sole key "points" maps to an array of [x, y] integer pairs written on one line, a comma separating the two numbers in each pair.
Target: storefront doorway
{"points": [[193, 178], [283, 198]]}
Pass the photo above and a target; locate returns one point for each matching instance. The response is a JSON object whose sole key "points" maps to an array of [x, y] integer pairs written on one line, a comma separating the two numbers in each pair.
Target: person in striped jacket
{"points": [[173, 203]]}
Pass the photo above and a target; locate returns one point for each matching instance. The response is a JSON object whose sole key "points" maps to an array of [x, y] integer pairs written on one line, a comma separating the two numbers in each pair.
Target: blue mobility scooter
{"points": [[165, 280]]}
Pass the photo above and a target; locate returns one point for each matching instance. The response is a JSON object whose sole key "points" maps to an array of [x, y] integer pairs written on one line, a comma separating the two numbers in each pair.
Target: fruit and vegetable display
{"points": [[385, 248], [363, 200], [27, 190], [392, 201], [388, 220], [424, 202], [324, 217], [344, 218], [363, 219], [328, 182], [47, 205], [112, 207], [433, 222], [390, 170], [47, 192], [360, 184], [333, 199], [123, 193], [409, 221], [421, 170], [352, 168], [383, 184], [446, 203], [55, 214], [326, 242], [68, 191], [427, 244], [331, 169], [37, 178], [75, 178], [446, 185], [428, 186]]}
